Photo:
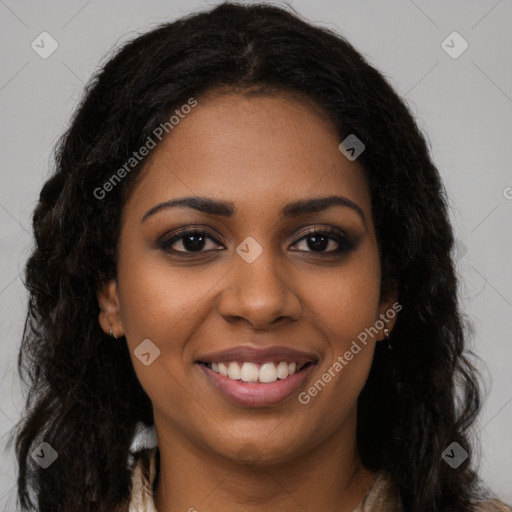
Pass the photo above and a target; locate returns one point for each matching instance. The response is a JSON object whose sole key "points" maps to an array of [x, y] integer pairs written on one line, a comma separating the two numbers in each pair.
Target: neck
{"points": [[330, 478]]}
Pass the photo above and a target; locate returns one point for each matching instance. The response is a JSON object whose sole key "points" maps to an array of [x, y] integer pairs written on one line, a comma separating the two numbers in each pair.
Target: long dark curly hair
{"points": [[84, 398]]}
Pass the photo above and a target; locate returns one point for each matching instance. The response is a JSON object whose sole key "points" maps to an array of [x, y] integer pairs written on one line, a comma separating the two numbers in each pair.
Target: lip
{"points": [[251, 354], [253, 394]]}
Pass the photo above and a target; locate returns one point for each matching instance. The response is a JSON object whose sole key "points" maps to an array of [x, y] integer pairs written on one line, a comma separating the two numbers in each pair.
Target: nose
{"points": [[258, 294]]}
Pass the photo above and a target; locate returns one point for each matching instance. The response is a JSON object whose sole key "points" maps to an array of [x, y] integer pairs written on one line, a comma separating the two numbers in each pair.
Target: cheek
{"points": [[158, 299], [161, 305], [347, 302], [345, 307]]}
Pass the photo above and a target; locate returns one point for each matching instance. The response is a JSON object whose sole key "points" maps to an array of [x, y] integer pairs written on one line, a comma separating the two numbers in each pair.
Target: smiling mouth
{"points": [[265, 373]]}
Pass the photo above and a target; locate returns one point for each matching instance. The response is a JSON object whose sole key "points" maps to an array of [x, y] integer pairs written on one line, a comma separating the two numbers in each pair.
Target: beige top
{"points": [[382, 496]]}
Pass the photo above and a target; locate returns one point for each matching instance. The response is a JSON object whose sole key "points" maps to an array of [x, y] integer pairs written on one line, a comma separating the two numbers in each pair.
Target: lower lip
{"points": [[253, 394]]}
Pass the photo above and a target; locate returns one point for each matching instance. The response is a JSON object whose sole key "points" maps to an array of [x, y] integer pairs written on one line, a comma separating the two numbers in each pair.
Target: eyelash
{"points": [[345, 244]]}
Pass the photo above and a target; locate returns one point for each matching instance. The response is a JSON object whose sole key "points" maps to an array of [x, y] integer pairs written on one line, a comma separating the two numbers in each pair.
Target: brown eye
{"points": [[192, 240], [318, 240]]}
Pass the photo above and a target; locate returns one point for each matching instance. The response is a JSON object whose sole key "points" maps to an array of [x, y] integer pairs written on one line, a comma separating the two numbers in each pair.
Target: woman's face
{"points": [[254, 278]]}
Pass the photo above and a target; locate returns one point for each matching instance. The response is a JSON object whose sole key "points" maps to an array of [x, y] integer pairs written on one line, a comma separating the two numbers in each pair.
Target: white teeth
{"points": [[251, 372], [282, 370], [234, 371], [268, 372]]}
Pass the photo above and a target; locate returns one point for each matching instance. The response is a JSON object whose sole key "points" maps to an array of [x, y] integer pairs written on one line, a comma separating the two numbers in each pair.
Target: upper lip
{"points": [[258, 355]]}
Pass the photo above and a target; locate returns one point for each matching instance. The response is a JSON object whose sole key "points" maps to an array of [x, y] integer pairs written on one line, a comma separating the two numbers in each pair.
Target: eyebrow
{"points": [[228, 209]]}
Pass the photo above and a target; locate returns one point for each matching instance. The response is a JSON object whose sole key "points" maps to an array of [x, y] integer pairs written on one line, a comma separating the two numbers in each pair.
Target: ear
{"points": [[388, 307], [110, 311]]}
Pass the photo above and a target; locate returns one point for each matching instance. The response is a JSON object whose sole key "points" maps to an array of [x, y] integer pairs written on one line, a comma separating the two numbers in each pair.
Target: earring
{"points": [[112, 333]]}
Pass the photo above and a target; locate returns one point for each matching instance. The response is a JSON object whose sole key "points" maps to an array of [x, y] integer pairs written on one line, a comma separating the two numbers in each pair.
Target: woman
{"points": [[246, 245]]}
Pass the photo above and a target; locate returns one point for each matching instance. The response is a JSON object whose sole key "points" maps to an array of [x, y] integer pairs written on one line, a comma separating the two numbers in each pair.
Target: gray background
{"points": [[464, 105]]}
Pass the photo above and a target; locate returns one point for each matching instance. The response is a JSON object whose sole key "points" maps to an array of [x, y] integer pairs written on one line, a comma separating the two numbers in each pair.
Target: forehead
{"points": [[253, 150]]}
